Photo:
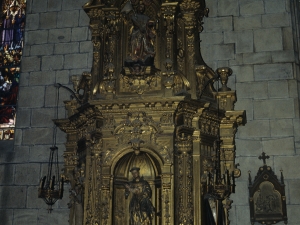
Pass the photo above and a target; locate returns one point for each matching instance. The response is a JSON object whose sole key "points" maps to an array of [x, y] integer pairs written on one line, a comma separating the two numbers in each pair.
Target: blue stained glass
{"points": [[11, 46]]}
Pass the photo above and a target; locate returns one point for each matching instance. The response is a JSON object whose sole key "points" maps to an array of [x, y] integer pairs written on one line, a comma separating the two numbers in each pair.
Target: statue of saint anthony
{"points": [[140, 208]]}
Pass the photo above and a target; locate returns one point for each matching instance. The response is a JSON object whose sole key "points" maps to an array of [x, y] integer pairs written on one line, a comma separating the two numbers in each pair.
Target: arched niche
{"points": [[150, 170]]}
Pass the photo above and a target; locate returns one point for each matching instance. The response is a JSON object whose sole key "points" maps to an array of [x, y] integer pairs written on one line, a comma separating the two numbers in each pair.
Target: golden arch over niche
{"points": [[122, 152], [150, 170]]}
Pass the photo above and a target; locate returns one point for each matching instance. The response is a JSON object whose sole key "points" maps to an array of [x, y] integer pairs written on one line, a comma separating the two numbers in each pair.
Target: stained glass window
{"points": [[11, 46]]}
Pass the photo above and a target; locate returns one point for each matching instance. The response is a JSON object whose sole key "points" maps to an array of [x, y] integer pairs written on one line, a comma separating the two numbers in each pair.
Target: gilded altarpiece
{"points": [[150, 101]]}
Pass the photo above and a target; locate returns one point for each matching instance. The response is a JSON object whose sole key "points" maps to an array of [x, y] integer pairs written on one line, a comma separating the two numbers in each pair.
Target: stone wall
{"points": [[253, 37], [256, 39], [57, 46]]}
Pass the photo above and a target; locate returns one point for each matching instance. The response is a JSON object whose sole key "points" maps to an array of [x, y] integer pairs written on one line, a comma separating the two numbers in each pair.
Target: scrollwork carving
{"points": [[189, 6], [95, 13], [71, 159], [166, 118], [185, 206], [137, 128], [140, 79]]}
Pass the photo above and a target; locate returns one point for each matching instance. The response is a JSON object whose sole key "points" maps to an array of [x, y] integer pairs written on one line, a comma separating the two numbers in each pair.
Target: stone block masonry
{"points": [[262, 38], [254, 37], [57, 45]]}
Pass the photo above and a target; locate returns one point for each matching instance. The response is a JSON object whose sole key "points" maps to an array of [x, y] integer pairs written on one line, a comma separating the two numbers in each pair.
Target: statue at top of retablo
{"points": [[142, 36], [141, 209]]}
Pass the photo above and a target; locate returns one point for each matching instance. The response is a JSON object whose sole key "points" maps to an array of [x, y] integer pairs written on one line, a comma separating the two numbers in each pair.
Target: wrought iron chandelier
{"points": [[51, 186], [219, 183]]}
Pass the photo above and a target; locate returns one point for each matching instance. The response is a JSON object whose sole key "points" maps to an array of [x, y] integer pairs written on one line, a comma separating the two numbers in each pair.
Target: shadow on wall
{"points": [[7, 156]]}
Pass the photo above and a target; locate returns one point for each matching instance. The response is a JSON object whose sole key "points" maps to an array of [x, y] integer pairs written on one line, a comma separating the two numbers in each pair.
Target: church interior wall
{"points": [[255, 39], [258, 39]]}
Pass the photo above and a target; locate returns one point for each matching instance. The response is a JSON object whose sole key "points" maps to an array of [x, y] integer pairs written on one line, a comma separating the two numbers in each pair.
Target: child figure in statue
{"points": [[140, 208]]}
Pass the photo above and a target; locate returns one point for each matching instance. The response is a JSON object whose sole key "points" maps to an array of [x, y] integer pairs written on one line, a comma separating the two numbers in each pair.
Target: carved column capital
{"points": [[168, 11], [184, 146]]}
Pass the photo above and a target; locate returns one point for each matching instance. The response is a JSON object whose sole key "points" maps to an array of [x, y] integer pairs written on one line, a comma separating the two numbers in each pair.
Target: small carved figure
{"points": [[152, 135], [75, 205], [76, 197], [140, 208], [200, 78]]}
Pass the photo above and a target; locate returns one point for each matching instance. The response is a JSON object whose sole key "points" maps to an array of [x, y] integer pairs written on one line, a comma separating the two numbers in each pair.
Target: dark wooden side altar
{"points": [[150, 101]]}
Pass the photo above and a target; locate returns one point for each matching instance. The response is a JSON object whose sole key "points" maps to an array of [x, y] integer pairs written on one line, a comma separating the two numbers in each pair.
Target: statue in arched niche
{"points": [[141, 209], [142, 36]]}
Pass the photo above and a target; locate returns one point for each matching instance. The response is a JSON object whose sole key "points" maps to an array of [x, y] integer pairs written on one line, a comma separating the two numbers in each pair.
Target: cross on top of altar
{"points": [[263, 156]]}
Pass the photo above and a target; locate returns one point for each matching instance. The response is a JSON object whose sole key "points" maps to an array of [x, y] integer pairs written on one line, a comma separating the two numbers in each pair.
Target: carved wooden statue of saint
{"points": [[141, 209], [142, 36]]}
